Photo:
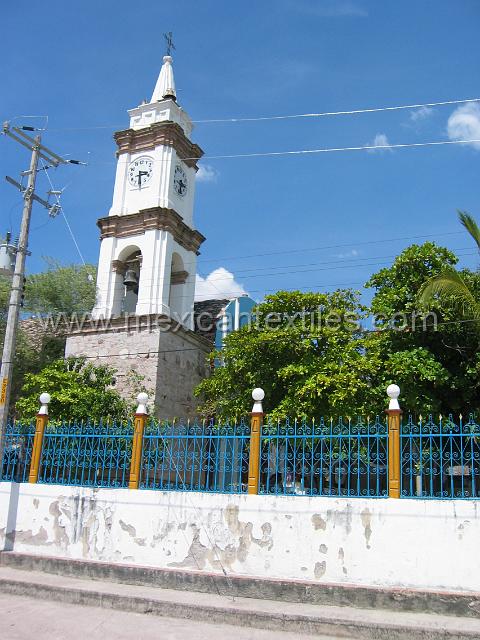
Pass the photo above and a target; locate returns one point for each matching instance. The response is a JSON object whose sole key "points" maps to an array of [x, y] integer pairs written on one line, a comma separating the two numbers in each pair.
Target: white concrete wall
{"points": [[407, 543]]}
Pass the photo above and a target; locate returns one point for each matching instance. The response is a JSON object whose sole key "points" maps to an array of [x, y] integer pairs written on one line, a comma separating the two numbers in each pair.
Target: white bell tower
{"points": [[149, 245]]}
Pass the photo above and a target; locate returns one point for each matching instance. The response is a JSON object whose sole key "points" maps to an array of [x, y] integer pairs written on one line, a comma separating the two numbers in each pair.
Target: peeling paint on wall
{"points": [[288, 537], [318, 522], [341, 517], [128, 528], [320, 568], [341, 557], [366, 522]]}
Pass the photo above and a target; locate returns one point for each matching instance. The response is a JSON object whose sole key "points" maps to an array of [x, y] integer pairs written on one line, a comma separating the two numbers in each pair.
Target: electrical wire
{"points": [[384, 262], [366, 147], [314, 267], [334, 246], [333, 267], [62, 213], [340, 259], [44, 128], [294, 116], [299, 152], [235, 293], [337, 113], [325, 247]]}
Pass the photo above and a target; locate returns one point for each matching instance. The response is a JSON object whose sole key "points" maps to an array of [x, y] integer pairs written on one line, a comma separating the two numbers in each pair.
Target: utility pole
{"points": [[29, 195]]}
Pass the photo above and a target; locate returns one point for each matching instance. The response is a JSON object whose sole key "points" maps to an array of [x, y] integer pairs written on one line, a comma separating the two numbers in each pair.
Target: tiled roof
{"points": [[210, 311]]}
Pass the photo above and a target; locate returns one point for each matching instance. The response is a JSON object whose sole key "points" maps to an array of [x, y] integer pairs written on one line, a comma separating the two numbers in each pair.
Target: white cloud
{"points": [[353, 253], [219, 284], [206, 173], [380, 140], [464, 124], [421, 114]]}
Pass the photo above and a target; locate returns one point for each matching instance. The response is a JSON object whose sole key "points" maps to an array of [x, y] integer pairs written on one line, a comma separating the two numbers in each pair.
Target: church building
{"points": [[143, 321]]}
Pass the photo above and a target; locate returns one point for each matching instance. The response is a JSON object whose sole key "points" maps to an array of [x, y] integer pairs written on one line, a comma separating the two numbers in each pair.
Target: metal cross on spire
{"points": [[169, 40]]}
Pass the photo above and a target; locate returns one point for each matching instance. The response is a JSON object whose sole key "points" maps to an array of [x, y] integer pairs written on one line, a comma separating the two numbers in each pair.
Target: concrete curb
{"points": [[337, 622], [394, 599]]}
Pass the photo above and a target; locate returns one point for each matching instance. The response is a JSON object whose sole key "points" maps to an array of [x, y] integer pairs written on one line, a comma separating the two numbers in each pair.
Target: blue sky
{"points": [[274, 222]]}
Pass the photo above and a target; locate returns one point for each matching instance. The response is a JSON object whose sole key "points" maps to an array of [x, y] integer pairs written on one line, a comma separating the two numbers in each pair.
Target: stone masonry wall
{"points": [[168, 364]]}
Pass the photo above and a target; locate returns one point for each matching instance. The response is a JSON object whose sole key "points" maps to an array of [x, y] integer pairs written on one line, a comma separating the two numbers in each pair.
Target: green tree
{"points": [[453, 285], [315, 354], [432, 356], [306, 350], [79, 390], [61, 289]]}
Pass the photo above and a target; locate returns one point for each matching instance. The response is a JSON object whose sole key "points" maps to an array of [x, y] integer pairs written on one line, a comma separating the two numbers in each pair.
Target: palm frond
{"points": [[471, 226], [451, 283]]}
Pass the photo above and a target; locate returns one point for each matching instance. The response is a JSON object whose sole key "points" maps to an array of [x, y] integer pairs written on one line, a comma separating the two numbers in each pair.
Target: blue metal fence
{"points": [[196, 457], [18, 451], [440, 458], [87, 454], [334, 458]]}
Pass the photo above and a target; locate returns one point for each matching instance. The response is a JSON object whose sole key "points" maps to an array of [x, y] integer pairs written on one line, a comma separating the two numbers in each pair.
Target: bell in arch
{"points": [[131, 279]]}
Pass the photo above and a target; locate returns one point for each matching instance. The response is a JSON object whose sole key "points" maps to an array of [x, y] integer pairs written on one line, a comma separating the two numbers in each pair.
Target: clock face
{"points": [[180, 181], [140, 171]]}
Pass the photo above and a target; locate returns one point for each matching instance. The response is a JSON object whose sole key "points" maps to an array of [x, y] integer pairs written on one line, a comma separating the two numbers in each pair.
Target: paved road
{"points": [[25, 618]]}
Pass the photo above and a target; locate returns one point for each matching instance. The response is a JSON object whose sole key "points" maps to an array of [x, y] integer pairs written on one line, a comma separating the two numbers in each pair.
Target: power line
{"points": [[38, 152], [338, 113], [62, 211], [315, 267], [357, 262], [291, 116], [335, 246], [366, 147], [226, 294], [73, 237], [298, 152]]}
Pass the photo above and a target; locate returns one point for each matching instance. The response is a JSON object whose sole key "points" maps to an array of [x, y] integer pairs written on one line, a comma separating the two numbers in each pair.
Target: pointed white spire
{"points": [[165, 87]]}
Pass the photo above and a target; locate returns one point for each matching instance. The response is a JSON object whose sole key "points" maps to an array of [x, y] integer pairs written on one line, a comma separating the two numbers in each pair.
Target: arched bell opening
{"points": [[127, 269], [178, 277]]}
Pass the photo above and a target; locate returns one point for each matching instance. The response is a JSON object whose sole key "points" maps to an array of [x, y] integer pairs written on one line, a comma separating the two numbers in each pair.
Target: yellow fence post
{"points": [[42, 419], [140, 421], [255, 438], [393, 412]]}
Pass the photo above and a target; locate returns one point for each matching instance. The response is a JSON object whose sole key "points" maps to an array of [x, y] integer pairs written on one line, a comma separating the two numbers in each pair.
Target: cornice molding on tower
{"points": [[167, 133], [133, 324], [134, 224]]}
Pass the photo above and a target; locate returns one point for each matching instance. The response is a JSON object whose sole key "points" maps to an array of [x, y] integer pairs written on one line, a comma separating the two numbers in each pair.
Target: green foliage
{"points": [[313, 368], [397, 286], [433, 357], [451, 284], [471, 226], [79, 390], [304, 349], [61, 289]]}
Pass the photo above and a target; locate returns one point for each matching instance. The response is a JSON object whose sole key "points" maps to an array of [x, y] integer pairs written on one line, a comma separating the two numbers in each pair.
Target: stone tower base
{"points": [[153, 352]]}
